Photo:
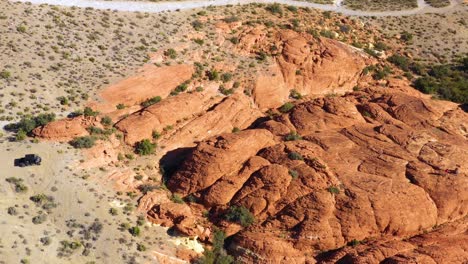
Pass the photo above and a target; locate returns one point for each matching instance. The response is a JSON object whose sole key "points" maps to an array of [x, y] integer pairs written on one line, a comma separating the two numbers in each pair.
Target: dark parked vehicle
{"points": [[28, 160]]}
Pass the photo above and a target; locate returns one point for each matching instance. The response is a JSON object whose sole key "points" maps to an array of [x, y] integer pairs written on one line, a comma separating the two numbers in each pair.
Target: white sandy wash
{"points": [[152, 7]]}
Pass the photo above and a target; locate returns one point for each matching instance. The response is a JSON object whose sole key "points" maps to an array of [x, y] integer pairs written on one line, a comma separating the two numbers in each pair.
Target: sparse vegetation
{"points": [[83, 142], [286, 107], [217, 255], [292, 136], [295, 156], [151, 101], [145, 147], [240, 215]]}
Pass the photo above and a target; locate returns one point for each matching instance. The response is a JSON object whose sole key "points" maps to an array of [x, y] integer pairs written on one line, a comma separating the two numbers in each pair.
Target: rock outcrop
{"points": [[311, 66], [367, 166], [142, 124], [66, 129], [151, 81]]}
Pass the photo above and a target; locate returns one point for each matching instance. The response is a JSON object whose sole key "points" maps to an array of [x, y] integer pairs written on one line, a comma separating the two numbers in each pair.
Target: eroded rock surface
{"points": [[367, 167]]}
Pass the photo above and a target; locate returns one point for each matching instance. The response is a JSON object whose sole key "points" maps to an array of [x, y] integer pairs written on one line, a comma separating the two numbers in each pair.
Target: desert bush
{"points": [[274, 8], [39, 219], [177, 199], [292, 136], [240, 215], [151, 101], [145, 147], [106, 121], [83, 142], [294, 94], [28, 123], [333, 190], [406, 36], [449, 82], [294, 174], [18, 184], [217, 254], [155, 134], [146, 188], [171, 53], [213, 75], [226, 77], [295, 156], [141, 247], [5, 75], [89, 112], [400, 61], [197, 25], [134, 231], [286, 107]]}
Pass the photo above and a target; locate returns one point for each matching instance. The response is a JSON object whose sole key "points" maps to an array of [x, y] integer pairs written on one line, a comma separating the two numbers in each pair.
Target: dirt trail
{"points": [[151, 7]]}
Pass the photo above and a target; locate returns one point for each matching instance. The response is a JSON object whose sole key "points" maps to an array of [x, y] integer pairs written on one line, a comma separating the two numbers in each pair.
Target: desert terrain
{"points": [[253, 133]]}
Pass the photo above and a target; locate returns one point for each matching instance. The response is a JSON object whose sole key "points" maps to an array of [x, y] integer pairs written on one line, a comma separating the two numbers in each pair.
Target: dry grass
{"points": [[380, 5]]}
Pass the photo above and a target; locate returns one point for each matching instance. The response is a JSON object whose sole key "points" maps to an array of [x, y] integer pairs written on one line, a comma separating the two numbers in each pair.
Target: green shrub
{"points": [[449, 82], [18, 184], [327, 34], [141, 247], [5, 75], [294, 174], [380, 46], [406, 36], [234, 40], [226, 77], [213, 75], [20, 135], [155, 134], [401, 62], [275, 8], [286, 107], [217, 254], [21, 29], [225, 91], [240, 215], [177, 199], [231, 19], [83, 142], [171, 53], [145, 147], [27, 124], [292, 136], [151, 101], [106, 121], [295, 94], [89, 112], [134, 231], [333, 190], [120, 106], [295, 156], [197, 25], [39, 219]]}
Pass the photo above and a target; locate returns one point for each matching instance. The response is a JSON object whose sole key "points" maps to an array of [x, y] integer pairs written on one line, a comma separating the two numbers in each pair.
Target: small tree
{"points": [[145, 147]]}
